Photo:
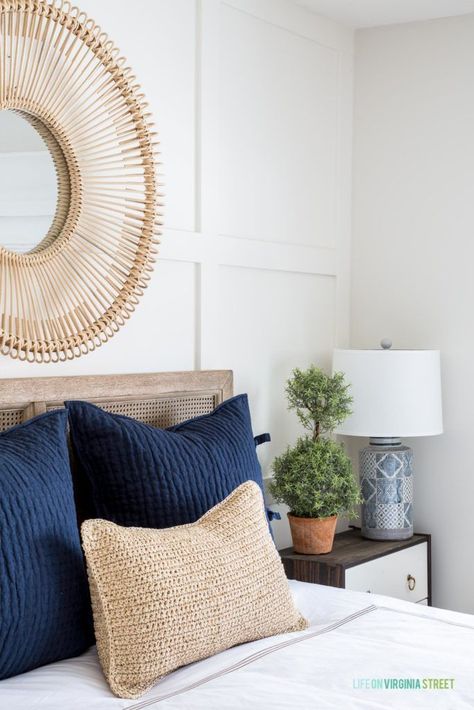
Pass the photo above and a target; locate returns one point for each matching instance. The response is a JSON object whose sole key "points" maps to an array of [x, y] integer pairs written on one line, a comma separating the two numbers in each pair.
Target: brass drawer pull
{"points": [[411, 582]]}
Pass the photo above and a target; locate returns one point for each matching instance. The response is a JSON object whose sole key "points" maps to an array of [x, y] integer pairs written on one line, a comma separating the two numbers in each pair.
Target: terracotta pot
{"points": [[312, 536]]}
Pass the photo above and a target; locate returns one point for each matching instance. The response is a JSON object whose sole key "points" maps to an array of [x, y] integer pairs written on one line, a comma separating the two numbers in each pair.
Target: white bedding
{"points": [[352, 636]]}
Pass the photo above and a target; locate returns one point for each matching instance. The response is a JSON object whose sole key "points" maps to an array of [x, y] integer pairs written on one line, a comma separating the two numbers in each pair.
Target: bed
{"points": [[360, 650]]}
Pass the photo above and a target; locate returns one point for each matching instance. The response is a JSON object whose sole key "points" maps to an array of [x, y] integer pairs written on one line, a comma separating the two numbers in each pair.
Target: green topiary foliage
{"points": [[314, 478], [321, 402]]}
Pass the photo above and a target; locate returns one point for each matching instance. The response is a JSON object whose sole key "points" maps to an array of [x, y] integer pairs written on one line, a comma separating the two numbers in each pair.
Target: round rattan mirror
{"points": [[81, 279]]}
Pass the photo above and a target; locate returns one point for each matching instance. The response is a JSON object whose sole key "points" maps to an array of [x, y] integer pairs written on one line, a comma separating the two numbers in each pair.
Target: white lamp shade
{"points": [[396, 393]]}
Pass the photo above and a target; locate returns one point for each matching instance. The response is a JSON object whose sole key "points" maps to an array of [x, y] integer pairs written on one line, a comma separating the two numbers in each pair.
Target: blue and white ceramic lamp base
{"points": [[386, 479]]}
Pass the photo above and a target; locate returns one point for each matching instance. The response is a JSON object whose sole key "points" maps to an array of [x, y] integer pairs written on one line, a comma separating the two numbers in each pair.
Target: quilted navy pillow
{"points": [[44, 600], [133, 474]]}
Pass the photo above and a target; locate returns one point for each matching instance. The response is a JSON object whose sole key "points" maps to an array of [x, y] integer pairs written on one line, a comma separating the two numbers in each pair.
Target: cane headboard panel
{"points": [[160, 399]]}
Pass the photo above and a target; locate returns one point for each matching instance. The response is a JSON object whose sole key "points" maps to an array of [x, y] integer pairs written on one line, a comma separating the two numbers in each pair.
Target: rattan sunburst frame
{"points": [[73, 291]]}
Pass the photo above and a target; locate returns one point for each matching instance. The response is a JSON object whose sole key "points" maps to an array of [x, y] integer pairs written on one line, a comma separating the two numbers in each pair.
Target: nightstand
{"points": [[398, 568]]}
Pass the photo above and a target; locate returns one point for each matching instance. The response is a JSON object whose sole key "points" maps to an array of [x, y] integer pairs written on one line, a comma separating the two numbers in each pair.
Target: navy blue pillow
{"points": [[135, 474], [44, 599]]}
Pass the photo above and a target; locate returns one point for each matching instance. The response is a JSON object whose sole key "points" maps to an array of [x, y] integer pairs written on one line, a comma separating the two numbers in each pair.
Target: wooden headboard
{"points": [[160, 399]]}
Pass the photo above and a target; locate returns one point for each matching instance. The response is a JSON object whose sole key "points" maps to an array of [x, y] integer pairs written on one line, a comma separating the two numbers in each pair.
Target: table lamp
{"points": [[396, 393]]}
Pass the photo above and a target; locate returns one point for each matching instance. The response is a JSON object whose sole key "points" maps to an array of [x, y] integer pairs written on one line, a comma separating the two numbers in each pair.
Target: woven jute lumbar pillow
{"points": [[165, 598]]}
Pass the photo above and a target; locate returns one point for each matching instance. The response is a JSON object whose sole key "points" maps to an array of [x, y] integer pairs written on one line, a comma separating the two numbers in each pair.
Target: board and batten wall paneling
{"points": [[253, 103], [274, 325], [413, 253], [291, 83]]}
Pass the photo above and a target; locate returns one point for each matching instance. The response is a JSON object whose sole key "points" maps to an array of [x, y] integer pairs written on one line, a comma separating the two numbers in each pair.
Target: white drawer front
{"points": [[389, 575]]}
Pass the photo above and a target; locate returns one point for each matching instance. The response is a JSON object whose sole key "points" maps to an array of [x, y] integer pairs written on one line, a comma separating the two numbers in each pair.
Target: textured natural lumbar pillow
{"points": [[165, 598]]}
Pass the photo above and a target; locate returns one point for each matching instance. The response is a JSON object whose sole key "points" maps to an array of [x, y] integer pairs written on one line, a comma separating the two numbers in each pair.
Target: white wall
{"points": [[253, 100], [413, 253]]}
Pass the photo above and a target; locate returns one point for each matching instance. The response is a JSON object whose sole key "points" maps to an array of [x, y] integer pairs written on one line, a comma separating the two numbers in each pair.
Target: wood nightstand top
{"points": [[351, 549]]}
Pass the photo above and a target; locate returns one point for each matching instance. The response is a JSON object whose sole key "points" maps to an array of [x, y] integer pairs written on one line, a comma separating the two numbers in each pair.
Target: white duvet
{"points": [[355, 640]]}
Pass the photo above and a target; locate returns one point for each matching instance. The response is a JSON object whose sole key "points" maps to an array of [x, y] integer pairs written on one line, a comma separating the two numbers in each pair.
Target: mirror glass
{"points": [[28, 184]]}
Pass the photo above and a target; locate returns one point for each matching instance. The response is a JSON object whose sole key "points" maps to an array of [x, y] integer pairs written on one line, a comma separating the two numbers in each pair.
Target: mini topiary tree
{"points": [[314, 477]]}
